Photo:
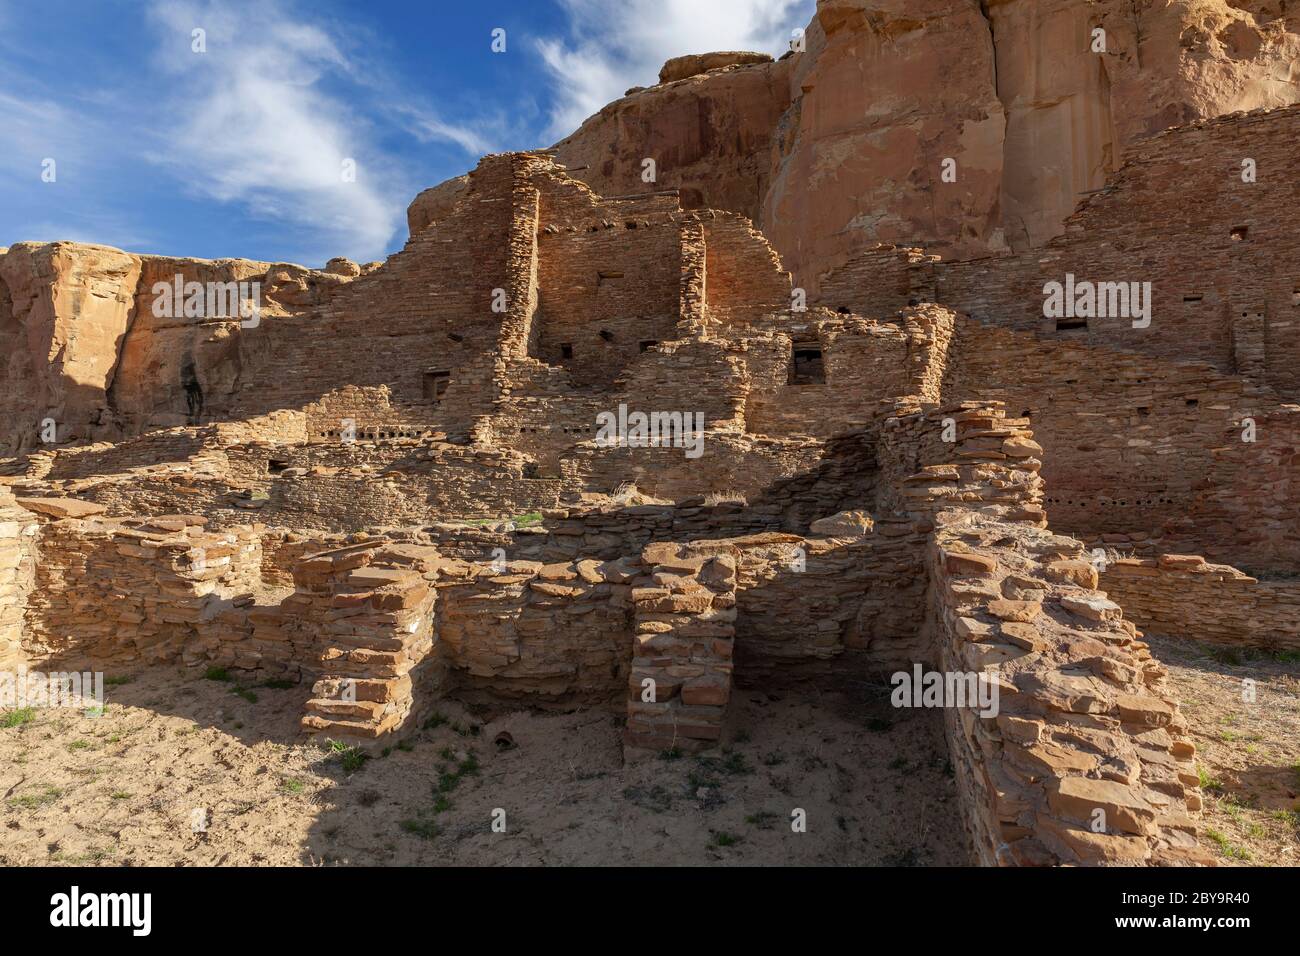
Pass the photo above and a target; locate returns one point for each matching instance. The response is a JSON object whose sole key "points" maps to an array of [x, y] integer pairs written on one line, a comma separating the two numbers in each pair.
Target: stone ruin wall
{"points": [[937, 553], [1083, 725], [1183, 594], [381, 628], [1142, 455], [18, 529], [1123, 411], [1223, 293]]}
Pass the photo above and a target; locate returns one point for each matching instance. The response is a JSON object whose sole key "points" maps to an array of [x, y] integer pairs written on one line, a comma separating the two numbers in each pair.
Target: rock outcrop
{"points": [[845, 144], [64, 311]]}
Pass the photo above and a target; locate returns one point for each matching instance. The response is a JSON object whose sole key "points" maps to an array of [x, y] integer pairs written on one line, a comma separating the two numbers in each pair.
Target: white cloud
{"points": [[260, 120], [476, 140], [616, 45], [33, 131]]}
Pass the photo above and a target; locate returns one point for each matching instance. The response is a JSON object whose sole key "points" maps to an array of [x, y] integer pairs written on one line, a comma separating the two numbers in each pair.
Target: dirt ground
{"points": [[183, 770], [1248, 753]]}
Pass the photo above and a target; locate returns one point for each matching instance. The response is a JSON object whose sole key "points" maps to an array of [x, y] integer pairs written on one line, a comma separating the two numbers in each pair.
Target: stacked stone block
{"points": [[1087, 760], [1182, 595], [372, 609], [685, 606], [17, 533]]}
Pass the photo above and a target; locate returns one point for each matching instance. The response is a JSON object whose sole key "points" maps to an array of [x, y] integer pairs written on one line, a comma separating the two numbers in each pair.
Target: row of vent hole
{"points": [[370, 434], [1123, 502]]}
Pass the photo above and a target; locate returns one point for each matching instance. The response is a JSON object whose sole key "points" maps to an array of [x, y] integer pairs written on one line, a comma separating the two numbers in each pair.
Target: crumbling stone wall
{"points": [[545, 634], [1082, 758], [1140, 453], [1222, 293], [1182, 595], [685, 601], [1087, 760], [138, 590], [18, 529], [367, 610]]}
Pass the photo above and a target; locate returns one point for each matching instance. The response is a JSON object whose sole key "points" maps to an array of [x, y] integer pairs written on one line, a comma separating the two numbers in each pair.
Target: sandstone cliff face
{"points": [[887, 91], [841, 146], [169, 364], [63, 314], [709, 134], [434, 203], [1073, 113], [80, 343]]}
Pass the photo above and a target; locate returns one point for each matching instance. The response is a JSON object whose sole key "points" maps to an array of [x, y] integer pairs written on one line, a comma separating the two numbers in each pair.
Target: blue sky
{"points": [[240, 150]]}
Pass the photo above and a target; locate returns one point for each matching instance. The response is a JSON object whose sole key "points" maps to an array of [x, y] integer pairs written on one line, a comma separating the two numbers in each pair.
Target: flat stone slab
{"points": [[62, 507]]}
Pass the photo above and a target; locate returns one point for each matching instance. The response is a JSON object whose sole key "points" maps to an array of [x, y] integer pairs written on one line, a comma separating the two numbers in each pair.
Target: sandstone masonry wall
{"points": [[1181, 595]]}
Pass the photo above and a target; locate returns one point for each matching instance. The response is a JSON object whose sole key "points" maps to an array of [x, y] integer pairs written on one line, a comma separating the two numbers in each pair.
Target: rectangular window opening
{"points": [[806, 366], [435, 383]]}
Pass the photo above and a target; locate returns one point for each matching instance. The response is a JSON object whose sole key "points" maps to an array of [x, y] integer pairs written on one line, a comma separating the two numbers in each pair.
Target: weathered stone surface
{"points": [[846, 524], [66, 508]]}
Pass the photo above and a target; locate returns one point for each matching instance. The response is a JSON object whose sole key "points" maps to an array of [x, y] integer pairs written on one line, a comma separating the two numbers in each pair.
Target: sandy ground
{"points": [[123, 788], [1248, 753]]}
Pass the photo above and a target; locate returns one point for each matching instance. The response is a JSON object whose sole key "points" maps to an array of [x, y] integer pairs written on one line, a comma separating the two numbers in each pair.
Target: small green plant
{"points": [[351, 758], [31, 801], [217, 673], [292, 785], [725, 839], [116, 680], [773, 759], [121, 795], [449, 780], [527, 520], [733, 764], [424, 829], [1289, 817], [672, 753], [435, 721], [277, 683], [1226, 847], [764, 819], [16, 718], [441, 804], [1207, 781], [406, 746], [245, 693], [79, 745]]}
